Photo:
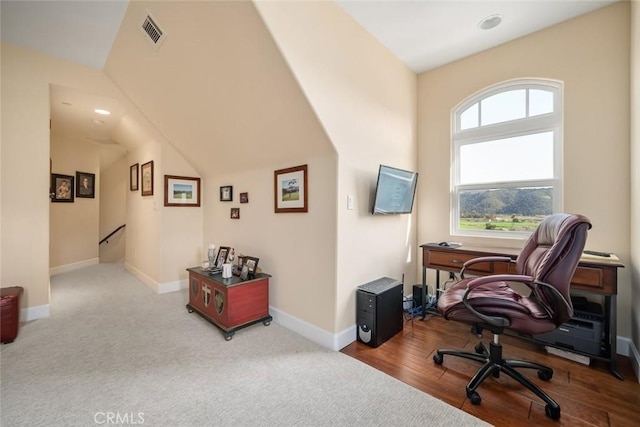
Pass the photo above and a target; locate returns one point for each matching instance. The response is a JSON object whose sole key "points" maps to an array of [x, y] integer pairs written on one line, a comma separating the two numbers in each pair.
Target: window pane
{"points": [[540, 102], [503, 107], [505, 209], [512, 159], [469, 118]]}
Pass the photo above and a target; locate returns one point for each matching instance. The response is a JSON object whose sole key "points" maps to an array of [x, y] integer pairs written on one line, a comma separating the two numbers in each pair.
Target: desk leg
{"points": [[610, 302], [424, 293]]}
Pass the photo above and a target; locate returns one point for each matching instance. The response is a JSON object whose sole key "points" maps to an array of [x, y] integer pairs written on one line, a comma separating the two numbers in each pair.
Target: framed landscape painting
{"points": [[181, 191]]}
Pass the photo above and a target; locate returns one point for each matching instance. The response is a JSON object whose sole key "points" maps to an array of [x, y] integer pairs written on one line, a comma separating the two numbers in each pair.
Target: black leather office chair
{"points": [[546, 265]]}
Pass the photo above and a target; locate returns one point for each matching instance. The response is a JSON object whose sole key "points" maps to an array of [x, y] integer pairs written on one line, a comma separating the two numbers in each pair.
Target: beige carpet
{"points": [[114, 352]]}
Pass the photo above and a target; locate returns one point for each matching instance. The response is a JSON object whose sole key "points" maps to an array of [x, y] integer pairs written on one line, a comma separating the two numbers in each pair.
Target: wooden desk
{"points": [[230, 304], [594, 276]]}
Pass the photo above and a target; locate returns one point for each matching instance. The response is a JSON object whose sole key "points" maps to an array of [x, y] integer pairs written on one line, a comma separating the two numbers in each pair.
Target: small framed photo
{"points": [[244, 273], [238, 268], [85, 185], [221, 258], [133, 177], [244, 197], [226, 193], [62, 186], [252, 264], [146, 172], [181, 191], [290, 189], [235, 213]]}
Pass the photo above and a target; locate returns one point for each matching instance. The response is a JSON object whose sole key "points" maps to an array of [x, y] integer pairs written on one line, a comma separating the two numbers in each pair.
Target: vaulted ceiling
{"points": [[422, 34]]}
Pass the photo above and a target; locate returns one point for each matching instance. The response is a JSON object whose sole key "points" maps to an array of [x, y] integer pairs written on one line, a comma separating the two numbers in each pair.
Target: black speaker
{"points": [[378, 311], [417, 296]]}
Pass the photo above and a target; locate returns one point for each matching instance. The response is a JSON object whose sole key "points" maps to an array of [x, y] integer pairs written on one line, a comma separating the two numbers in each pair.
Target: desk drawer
{"points": [[453, 261], [600, 279]]}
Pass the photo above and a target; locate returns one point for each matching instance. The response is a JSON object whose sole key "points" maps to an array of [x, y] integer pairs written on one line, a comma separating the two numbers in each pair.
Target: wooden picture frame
{"points": [[238, 268], [85, 185], [252, 264], [226, 193], [133, 177], [291, 190], [62, 186], [221, 257], [146, 176], [244, 272], [235, 213], [181, 191], [244, 197]]}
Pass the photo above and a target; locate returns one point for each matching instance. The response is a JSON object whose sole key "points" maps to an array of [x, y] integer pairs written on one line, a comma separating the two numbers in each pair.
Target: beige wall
{"points": [[590, 54], [74, 227], [236, 114], [635, 175], [114, 185], [366, 102], [26, 77]]}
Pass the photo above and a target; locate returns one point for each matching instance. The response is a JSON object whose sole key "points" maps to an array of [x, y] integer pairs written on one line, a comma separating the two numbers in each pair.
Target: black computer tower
{"points": [[378, 311]]}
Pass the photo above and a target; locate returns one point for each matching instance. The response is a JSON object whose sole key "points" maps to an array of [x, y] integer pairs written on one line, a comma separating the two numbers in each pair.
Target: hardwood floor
{"points": [[588, 395]]}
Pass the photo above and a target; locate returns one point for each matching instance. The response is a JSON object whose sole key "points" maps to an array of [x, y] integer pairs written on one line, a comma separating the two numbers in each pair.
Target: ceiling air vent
{"points": [[152, 31]]}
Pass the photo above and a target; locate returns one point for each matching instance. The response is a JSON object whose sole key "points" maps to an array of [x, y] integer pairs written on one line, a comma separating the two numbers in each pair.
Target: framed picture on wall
{"points": [[146, 172], [133, 177], [226, 193], [62, 186], [290, 189], [181, 191], [85, 185]]}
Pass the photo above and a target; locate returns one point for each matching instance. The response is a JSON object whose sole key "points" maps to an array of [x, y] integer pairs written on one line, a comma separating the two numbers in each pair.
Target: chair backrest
{"points": [[551, 256]]}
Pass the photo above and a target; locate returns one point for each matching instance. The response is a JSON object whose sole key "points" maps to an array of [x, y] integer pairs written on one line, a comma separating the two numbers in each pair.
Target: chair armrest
{"points": [[492, 320], [484, 259], [550, 310]]}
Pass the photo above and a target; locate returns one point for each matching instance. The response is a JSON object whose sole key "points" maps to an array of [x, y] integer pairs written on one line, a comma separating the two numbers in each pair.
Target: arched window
{"points": [[507, 158]]}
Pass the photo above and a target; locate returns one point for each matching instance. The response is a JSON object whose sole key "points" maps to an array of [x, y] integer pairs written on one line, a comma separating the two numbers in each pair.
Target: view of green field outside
{"points": [[519, 209]]}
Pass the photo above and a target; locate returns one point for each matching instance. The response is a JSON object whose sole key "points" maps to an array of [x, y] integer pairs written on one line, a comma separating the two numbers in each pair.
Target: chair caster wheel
{"points": [[189, 310], [545, 375], [552, 412], [266, 323], [438, 358], [228, 337], [479, 348], [474, 397]]}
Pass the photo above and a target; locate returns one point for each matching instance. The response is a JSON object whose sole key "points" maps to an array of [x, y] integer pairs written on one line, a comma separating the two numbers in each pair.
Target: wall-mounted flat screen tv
{"points": [[395, 191]]}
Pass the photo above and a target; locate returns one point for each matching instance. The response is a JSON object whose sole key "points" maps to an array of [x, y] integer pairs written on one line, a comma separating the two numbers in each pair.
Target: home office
{"points": [[341, 103]]}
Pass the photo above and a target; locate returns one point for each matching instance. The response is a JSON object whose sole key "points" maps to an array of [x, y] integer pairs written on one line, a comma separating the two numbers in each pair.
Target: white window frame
{"points": [[529, 125]]}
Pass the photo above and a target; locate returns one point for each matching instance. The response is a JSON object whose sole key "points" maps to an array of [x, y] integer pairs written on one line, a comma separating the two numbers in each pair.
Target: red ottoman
{"points": [[9, 313]]}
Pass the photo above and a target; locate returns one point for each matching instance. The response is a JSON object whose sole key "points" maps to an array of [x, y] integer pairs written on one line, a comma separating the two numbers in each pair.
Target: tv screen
{"points": [[395, 191]]}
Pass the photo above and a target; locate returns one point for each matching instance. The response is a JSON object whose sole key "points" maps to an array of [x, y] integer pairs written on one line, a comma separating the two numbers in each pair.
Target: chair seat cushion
{"points": [[495, 299]]}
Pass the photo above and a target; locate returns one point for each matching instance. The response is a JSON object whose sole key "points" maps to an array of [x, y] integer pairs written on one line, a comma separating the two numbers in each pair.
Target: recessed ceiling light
{"points": [[103, 112], [97, 122], [490, 22]]}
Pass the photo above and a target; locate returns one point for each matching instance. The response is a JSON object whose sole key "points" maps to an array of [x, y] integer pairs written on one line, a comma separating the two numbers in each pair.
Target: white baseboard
{"points": [[161, 288], [155, 286], [318, 335], [627, 348], [73, 266], [35, 313], [164, 288]]}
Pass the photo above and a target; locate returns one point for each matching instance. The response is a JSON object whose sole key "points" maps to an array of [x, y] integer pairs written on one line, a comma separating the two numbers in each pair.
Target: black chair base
{"points": [[494, 364]]}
